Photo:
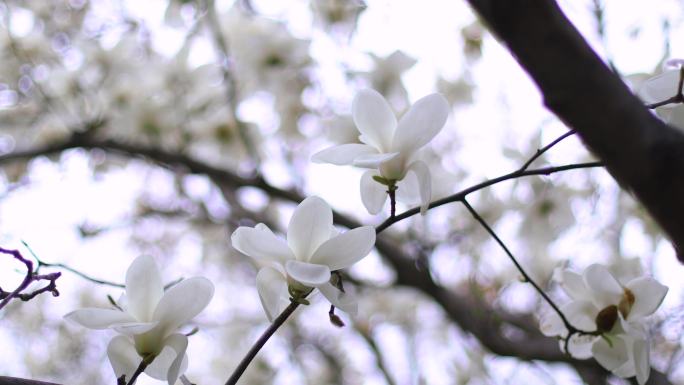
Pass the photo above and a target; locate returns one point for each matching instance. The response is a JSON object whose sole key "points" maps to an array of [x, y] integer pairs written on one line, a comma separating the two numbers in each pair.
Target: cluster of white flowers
{"points": [[613, 307]]}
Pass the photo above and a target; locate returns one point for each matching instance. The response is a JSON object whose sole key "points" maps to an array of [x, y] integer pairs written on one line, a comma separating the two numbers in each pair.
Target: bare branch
{"points": [[31, 276]]}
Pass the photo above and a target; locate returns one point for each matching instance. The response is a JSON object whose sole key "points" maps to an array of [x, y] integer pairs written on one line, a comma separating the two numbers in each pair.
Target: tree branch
{"points": [[31, 276], [642, 153]]}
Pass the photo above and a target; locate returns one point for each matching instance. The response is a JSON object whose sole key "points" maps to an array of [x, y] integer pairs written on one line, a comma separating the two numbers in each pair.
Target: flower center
{"points": [[626, 303], [606, 318], [298, 291]]}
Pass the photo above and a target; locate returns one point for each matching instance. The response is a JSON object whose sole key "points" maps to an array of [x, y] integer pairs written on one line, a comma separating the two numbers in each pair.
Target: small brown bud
{"points": [[626, 303], [606, 318]]}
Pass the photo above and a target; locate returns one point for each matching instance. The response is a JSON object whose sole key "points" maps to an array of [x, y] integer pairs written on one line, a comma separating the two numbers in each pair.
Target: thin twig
{"points": [[457, 197], [542, 150], [231, 86], [572, 330], [85, 276], [141, 368], [30, 277], [277, 323], [80, 274], [366, 334], [392, 192]]}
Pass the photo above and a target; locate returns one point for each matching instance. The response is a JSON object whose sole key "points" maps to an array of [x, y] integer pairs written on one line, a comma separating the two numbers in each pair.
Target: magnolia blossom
{"points": [[148, 319], [388, 148], [314, 248], [663, 87], [614, 308]]}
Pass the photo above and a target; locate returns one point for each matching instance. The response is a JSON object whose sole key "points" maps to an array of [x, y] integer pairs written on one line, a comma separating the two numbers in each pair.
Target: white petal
{"points": [[626, 270], [345, 249], [182, 302], [422, 173], [144, 287], [581, 314], [308, 274], [374, 119], [673, 115], [344, 154], [648, 295], [134, 328], [123, 357], [408, 190], [179, 343], [334, 232], [263, 227], [610, 357], [579, 346], [373, 194], [661, 87], [551, 324], [374, 160], [162, 367], [573, 284], [625, 370], [420, 124], [261, 245], [94, 318], [641, 361], [273, 293], [605, 289], [309, 227], [339, 299]]}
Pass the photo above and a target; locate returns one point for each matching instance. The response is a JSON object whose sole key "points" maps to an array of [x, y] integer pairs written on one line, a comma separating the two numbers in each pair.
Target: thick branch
{"points": [[643, 154], [21, 381]]}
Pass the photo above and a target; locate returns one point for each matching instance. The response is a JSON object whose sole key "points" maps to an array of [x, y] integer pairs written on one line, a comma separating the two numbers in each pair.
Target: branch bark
{"points": [[21, 381], [642, 153]]}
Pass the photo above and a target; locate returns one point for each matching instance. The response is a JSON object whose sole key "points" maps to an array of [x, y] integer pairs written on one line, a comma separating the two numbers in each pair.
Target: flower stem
{"points": [[392, 192], [141, 368], [277, 323]]}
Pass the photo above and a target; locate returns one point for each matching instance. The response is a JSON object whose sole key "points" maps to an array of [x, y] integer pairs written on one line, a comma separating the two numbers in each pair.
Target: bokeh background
{"points": [[157, 127]]}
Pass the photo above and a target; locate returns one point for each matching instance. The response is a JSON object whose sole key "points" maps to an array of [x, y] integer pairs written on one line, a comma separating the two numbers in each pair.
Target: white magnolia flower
{"points": [[614, 308], [313, 249], [663, 87], [389, 148], [148, 321]]}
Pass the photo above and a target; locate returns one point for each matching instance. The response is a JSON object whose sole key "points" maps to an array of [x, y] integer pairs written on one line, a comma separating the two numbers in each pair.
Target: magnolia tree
{"points": [[479, 192]]}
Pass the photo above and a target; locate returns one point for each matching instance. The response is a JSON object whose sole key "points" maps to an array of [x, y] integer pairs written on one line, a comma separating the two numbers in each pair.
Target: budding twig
{"points": [[31, 276]]}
